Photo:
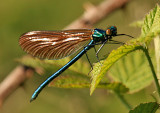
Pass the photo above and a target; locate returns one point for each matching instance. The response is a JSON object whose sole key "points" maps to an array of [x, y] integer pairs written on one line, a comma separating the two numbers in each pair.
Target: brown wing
{"points": [[54, 44]]}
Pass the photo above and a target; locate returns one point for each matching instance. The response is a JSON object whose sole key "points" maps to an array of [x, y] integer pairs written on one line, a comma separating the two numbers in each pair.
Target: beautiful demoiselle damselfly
{"points": [[60, 44]]}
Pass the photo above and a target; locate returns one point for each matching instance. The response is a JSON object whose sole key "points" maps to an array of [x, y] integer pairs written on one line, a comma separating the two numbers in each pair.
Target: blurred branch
{"points": [[92, 15], [14, 80]]}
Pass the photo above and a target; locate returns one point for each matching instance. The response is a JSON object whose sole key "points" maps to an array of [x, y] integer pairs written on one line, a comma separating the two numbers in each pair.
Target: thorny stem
{"points": [[152, 69], [123, 100], [157, 54]]}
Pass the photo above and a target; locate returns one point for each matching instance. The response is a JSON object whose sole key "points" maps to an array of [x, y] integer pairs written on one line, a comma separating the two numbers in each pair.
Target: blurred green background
{"points": [[20, 16]]}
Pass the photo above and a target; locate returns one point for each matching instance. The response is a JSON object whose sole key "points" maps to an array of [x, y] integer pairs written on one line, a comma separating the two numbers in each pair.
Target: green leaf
{"points": [[133, 71], [71, 81], [112, 58], [82, 81], [146, 108], [48, 66], [74, 77], [150, 29]]}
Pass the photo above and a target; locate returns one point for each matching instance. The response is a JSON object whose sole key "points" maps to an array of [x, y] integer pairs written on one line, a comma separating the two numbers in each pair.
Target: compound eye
{"points": [[108, 32], [115, 27]]}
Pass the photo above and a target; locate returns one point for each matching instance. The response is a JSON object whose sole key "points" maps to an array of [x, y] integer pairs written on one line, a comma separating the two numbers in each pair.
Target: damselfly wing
{"points": [[54, 44]]}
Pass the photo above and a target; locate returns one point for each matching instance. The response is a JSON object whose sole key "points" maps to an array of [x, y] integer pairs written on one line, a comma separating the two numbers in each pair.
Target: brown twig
{"points": [[14, 80], [92, 15]]}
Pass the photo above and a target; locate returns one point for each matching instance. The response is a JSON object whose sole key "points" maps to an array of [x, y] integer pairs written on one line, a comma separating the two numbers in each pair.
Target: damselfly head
{"points": [[111, 31]]}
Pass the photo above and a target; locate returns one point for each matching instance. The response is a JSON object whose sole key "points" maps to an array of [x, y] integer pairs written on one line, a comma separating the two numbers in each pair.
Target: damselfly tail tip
{"points": [[32, 99]]}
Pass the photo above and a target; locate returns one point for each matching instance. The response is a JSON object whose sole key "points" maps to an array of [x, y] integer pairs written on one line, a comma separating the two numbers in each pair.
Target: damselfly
{"points": [[60, 44]]}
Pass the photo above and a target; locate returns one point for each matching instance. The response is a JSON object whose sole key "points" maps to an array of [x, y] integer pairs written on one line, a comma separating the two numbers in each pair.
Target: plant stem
{"points": [[152, 69], [123, 100], [157, 54]]}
